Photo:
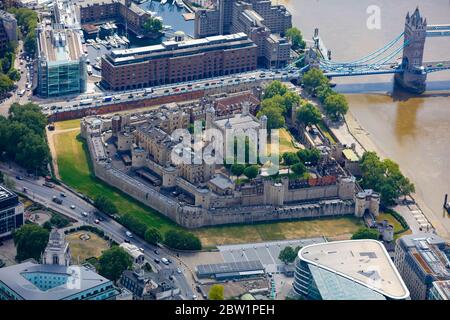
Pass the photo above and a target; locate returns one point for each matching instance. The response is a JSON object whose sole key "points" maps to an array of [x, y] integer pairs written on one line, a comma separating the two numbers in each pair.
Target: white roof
{"points": [[363, 261]]}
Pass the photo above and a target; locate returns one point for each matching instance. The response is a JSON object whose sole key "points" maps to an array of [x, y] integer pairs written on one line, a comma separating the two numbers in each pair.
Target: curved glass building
{"points": [[347, 270]]}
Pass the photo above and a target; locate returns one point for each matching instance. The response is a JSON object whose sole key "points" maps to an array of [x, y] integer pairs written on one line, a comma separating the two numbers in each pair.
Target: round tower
{"points": [[360, 204], [210, 115]]}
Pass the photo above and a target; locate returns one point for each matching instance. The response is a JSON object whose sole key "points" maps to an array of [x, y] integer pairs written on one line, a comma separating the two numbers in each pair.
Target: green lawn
{"points": [[394, 222], [74, 169]]}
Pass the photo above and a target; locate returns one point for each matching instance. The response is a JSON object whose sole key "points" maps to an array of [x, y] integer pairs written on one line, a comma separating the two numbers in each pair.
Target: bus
{"points": [[107, 99], [86, 102]]}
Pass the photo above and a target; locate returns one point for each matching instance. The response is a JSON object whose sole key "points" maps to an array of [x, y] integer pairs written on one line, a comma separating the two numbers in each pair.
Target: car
{"points": [[194, 297], [141, 250], [126, 240], [96, 221], [156, 251], [62, 194], [19, 178], [84, 214], [156, 260], [179, 270], [439, 65], [48, 184], [129, 234], [72, 207], [165, 261], [169, 260], [166, 91]]}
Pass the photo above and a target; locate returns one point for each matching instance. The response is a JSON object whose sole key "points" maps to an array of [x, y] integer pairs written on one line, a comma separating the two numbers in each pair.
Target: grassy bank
{"points": [[74, 169]]}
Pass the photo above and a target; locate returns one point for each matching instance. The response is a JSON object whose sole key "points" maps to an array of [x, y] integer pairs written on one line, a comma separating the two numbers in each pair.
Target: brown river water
{"points": [[412, 130]]}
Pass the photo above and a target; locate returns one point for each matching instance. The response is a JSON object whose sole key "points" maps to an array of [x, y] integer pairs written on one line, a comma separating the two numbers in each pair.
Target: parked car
{"points": [[156, 260]]}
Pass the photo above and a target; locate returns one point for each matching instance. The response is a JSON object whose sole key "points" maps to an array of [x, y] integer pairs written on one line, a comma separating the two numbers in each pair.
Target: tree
{"points": [[216, 292], [309, 156], [104, 204], [59, 221], [336, 106], [237, 169], [366, 233], [287, 255], [14, 75], [32, 153], [308, 114], [385, 177], [323, 91], [153, 236], [134, 224], [275, 88], [30, 115], [182, 240], [290, 158], [291, 99], [6, 84], [251, 172], [113, 262], [296, 38], [30, 241], [313, 79], [153, 25], [299, 169], [274, 114]]}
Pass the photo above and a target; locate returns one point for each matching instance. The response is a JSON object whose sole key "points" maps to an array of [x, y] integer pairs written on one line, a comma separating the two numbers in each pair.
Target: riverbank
{"points": [[354, 130]]}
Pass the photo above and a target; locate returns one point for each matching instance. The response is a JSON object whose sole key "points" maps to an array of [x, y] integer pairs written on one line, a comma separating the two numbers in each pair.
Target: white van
{"points": [[165, 261]]}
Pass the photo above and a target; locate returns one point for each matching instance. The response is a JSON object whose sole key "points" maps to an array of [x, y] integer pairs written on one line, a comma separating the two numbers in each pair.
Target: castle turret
{"points": [[210, 115], [263, 121]]}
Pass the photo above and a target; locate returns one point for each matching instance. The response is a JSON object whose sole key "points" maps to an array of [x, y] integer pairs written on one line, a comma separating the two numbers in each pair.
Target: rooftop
{"points": [[174, 47], [363, 261], [443, 288], [239, 121], [430, 252], [57, 44], [23, 279]]}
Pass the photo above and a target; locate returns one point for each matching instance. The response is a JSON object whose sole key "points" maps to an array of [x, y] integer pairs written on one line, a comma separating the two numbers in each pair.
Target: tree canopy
{"points": [[366, 233], [288, 254], [275, 88], [30, 241], [309, 156], [113, 262], [153, 236], [296, 38], [22, 137], [182, 240], [385, 177], [290, 158], [251, 172], [335, 106], [105, 205], [308, 114], [153, 25], [216, 292], [313, 79], [237, 169]]}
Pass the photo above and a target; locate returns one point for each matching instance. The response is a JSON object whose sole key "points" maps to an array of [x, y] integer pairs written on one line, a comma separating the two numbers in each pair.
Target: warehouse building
{"points": [[178, 61], [231, 270]]}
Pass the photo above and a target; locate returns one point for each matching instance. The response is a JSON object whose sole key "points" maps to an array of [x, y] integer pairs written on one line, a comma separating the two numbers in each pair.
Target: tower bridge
{"points": [[403, 56]]}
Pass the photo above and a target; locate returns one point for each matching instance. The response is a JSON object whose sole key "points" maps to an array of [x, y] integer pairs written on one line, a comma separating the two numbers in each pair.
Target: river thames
{"points": [[412, 130]]}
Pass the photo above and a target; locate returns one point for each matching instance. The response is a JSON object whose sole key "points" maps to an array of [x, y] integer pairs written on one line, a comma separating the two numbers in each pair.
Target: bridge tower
{"points": [[414, 77]]}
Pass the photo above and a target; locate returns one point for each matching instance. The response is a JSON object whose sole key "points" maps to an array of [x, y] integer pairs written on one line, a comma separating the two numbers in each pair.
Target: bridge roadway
{"points": [[438, 30], [169, 90]]}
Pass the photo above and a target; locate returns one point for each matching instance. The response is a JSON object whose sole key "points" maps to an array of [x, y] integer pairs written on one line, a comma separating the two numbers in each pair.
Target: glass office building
{"points": [[62, 66], [347, 270]]}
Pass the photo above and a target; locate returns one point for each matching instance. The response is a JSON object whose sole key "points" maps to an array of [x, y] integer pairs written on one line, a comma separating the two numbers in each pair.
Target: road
{"points": [[73, 103], [21, 85], [44, 195]]}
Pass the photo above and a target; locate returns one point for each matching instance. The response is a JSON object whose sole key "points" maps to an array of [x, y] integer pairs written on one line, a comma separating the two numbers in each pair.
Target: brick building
{"points": [[178, 61]]}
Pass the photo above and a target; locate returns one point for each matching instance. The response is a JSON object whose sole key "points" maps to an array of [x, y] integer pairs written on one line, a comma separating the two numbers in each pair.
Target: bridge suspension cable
{"points": [[369, 57]]}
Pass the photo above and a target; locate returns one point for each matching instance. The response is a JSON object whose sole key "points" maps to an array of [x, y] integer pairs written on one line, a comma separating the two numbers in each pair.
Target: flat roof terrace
{"points": [[60, 45]]}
